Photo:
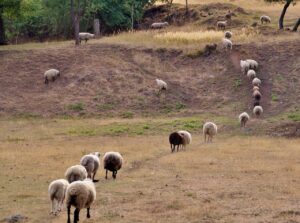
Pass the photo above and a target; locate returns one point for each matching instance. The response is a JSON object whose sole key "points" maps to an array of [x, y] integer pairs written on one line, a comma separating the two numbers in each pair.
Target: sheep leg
{"points": [[76, 215], [88, 213], [53, 79], [94, 174], [46, 80], [86, 40], [106, 174], [114, 174], [69, 210]]}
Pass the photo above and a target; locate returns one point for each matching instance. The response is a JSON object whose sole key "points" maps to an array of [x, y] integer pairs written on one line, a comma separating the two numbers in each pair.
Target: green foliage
{"points": [[76, 107], [294, 116], [127, 115]]}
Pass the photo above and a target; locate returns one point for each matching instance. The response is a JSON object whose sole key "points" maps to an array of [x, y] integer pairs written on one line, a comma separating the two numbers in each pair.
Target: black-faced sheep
{"points": [[245, 66], [51, 75], [74, 173], [112, 161], [244, 118], [159, 25], [175, 139], [91, 163], [265, 18], [57, 191], [85, 36], [258, 110], [80, 194], [210, 129], [253, 64]]}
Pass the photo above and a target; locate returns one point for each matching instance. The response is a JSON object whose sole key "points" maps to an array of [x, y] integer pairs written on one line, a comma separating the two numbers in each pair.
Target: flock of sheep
{"points": [[78, 188]]}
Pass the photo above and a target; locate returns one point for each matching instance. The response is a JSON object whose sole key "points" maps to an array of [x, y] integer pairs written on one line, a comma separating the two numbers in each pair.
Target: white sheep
{"points": [[74, 173], [227, 44], [112, 161], [91, 163], [222, 24], [243, 119], [265, 18], [162, 86], [258, 110], [228, 34], [255, 88], [51, 74], [210, 129], [80, 194], [57, 191], [251, 74], [85, 36], [187, 137], [159, 25], [252, 64], [256, 82], [245, 66]]}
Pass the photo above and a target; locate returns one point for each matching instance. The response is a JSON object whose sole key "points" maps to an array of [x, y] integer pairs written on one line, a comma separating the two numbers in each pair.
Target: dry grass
{"points": [[235, 179]]}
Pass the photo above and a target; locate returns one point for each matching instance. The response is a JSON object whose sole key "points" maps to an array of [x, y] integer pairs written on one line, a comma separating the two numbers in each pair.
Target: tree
{"points": [[285, 7], [186, 7], [78, 8], [10, 7]]}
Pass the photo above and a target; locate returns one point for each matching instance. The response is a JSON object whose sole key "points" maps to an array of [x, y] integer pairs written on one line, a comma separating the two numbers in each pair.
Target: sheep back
{"points": [[75, 173], [112, 161]]}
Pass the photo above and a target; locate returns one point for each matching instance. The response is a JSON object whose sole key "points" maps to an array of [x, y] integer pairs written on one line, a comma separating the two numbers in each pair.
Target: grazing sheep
{"points": [[256, 82], [91, 163], [255, 88], [159, 25], [187, 137], [209, 129], [222, 24], [244, 118], [175, 139], [75, 173], [228, 34], [227, 44], [256, 95], [258, 110], [51, 74], [256, 103], [112, 161], [80, 194], [245, 66], [85, 36], [209, 48], [251, 74], [57, 191], [265, 18], [252, 64], [162, 86]]}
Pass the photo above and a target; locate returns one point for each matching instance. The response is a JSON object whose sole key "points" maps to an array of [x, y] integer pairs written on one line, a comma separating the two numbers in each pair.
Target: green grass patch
{"points": [[127, 114], [294, 116], [76, 107], [274, 97], [179, 106], [237, 83]]}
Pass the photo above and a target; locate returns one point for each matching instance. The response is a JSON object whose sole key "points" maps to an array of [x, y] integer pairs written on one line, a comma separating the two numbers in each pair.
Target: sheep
{"points": [[227, 44], [175, 139], [85, 36], [228, 34], [265, 18], [209, 129], [244, 118], [74, 173], [57, 191], [51, 74], [222, 24], [112, 161], [159, 25], [255, 88], [251, 74], [245, 66], [91, 163], [80, 194], [256, 103], [256, 95], [209, 48], [258, 110], [252, 64], [161, 85], [256, 82], [187, 137]]}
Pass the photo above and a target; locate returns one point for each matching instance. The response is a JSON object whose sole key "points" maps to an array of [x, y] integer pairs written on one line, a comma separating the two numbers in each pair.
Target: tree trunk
{"points": [[296, 26], [2, 31], [76, 30], [97, 27], [186, 7], [132, 12], [287, 4]]}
